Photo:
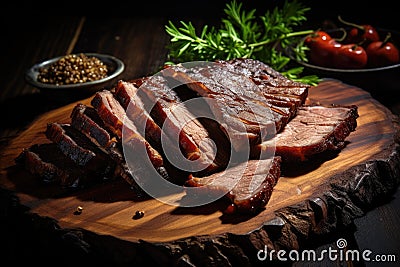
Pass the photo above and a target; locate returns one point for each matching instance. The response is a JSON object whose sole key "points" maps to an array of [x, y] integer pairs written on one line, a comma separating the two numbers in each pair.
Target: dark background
{"points": [[379, 13], [24, 18], [20, 20], [22, 41]]}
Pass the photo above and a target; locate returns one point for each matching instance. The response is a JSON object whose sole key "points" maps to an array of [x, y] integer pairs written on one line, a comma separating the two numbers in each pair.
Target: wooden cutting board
{"points": [[312, 198]]}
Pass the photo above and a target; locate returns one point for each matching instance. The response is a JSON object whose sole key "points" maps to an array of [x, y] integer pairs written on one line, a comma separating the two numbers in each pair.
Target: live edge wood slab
{"points": [[310, 200]]}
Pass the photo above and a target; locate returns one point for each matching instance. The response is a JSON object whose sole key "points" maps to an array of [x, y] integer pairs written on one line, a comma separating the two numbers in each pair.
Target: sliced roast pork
{"points": [[140, 157], [283, 97], [159, 98], [243, 118], [239, 119], [126, 94], [85, 119], [313, 130], [47, 162], [271, 82], [204, 145], [80, 149], [137, 129], [248, 185], [114, 117]]}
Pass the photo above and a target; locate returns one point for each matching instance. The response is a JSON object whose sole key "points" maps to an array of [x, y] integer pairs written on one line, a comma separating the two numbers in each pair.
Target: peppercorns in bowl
{"points": [[80, 73]]}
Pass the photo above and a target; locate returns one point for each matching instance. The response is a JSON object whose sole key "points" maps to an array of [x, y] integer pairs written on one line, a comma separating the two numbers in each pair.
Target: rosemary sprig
{"points": [[268, 38]]}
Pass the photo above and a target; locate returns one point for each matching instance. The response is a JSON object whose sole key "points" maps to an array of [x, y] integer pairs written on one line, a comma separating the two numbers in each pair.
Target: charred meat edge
{"points": [[239, 116], [79, 148], [114, 116], [314, 130], [243, 199], [47, 162], [178, 121], [86, 120]]}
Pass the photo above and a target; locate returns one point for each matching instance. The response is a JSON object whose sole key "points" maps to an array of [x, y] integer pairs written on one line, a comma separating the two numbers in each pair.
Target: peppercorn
{"points": [[72, 69], [78, 210], [138, 214]]}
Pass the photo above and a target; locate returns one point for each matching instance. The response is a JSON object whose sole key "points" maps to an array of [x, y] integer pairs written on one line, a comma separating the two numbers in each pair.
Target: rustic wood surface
{"points": [[32, 32], [346, 185]]}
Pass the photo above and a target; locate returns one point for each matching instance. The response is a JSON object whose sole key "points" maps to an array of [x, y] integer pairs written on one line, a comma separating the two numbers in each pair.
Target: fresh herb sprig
{"points": [[242, 34]]}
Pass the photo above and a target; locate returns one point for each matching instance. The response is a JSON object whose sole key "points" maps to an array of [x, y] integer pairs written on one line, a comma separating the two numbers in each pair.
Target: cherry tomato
{"points": [[362, 34], [322, 52], [382, 53], [350, 56], [322, 48], [316, 37]]}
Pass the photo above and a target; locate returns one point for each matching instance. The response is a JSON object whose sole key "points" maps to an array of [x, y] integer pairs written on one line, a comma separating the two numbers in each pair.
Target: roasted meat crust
{"points": [[243, 104]]}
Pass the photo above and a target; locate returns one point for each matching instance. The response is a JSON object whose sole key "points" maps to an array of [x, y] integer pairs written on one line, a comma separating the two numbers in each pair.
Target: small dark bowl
{"points": [[114, 65], [385, 78]]}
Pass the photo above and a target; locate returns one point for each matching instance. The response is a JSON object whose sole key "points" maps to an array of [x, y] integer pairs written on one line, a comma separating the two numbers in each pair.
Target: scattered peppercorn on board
{"points": [[320, 198]]}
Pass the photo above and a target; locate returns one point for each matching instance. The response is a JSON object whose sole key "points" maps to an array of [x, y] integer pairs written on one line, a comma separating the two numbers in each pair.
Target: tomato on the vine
{"points": [[350, 56]]}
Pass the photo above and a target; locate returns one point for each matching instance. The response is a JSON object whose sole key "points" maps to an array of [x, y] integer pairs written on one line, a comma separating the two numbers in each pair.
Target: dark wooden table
{"points": [[137, 36]]}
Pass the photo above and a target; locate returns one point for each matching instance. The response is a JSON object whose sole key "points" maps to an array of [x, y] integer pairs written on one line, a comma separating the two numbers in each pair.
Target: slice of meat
{"points": [[245, 118], [47, 162], [137, 157], [248, 185], [159, 98], [114, 117], [204, 145], [80, 149], [315, 129], [86, 120], [126, 94], [277, 110], [271, 82]]}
